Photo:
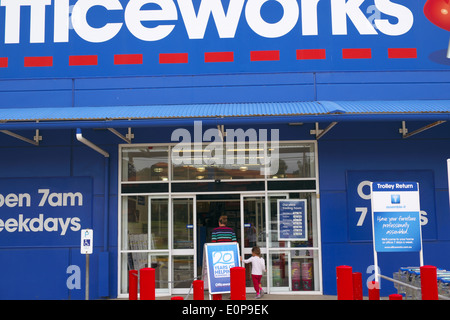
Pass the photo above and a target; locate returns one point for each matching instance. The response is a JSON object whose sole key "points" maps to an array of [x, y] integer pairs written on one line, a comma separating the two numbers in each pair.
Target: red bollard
{"points": [[199, 290], [147, 282], [428, 283], [344, 283], [132, 285], [357, 286], [237, 283], [177, 298], [374, 291], [395, 296]]}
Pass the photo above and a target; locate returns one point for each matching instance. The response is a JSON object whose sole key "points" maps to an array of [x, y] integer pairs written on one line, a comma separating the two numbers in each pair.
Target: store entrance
{"points": [[168, 211], [209, 209], [246, 216]]}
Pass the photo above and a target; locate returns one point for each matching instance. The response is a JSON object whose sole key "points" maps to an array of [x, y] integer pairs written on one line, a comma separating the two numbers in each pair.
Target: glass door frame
{"points": [[268, 250], [316, 249], [182, 252], [266, 193], [247, 250], [151, 252]]}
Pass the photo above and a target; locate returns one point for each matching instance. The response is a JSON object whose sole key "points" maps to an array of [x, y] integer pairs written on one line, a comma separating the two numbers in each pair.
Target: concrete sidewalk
{"points": [[252, 296]]}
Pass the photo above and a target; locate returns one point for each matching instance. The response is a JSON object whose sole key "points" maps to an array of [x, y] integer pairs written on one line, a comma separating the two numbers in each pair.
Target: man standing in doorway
{"points": [[223, 233]]}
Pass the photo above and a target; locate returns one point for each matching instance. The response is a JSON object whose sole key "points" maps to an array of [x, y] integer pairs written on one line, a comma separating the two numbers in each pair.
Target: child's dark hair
{"points": [[256, 250]]}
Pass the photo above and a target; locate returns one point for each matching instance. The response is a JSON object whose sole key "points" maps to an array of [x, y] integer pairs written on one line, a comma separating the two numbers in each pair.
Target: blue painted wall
{"points": [[379, 146], [351, 146], [41, 272], [225, 88]]}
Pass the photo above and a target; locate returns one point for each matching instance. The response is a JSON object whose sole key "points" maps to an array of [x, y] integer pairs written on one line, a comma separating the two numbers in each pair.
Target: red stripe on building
{"points": [[38, 61], [311, 54], [3, 62], [402, 53], [173, 58], [128, 59], [91, 60], [357, 53], [219, 56], [270, 55]]}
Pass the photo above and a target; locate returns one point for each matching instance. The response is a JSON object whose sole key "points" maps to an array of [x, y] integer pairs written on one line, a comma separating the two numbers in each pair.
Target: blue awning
{"points": [[173, 115], [166, 111]]}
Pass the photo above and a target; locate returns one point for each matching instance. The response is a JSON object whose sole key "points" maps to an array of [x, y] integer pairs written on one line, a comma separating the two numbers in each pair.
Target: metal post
{"points": [[133, 285], [87, 277], [357, 286], [428, 281], [237, 283], [344, 283], [374, 290], [147, 283], [199, 291]]}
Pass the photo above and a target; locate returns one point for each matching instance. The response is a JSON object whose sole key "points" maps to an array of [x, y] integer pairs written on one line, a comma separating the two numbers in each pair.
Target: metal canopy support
{"points": [[127, 138], [35, 140], [404, 131], [90, 144], [221, 129], [319, 132]]}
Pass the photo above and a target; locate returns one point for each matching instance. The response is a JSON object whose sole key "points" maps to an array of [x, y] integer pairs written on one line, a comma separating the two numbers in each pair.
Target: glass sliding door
{"points": [[294, 265], [253, 213], [278, 262], [145, 238], [183, 243], [155, 237]]}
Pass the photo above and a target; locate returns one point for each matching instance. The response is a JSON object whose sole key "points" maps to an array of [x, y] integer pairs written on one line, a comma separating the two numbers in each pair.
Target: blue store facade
{"points": [[108, 112]]}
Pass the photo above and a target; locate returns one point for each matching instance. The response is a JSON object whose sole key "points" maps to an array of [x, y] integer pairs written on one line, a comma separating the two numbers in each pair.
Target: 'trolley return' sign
{"points": [[68, 38], [396, 217]]}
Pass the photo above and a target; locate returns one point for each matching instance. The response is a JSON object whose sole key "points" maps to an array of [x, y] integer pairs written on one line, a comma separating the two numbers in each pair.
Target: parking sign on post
{"points": [[87, 244], [87, 241]]}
